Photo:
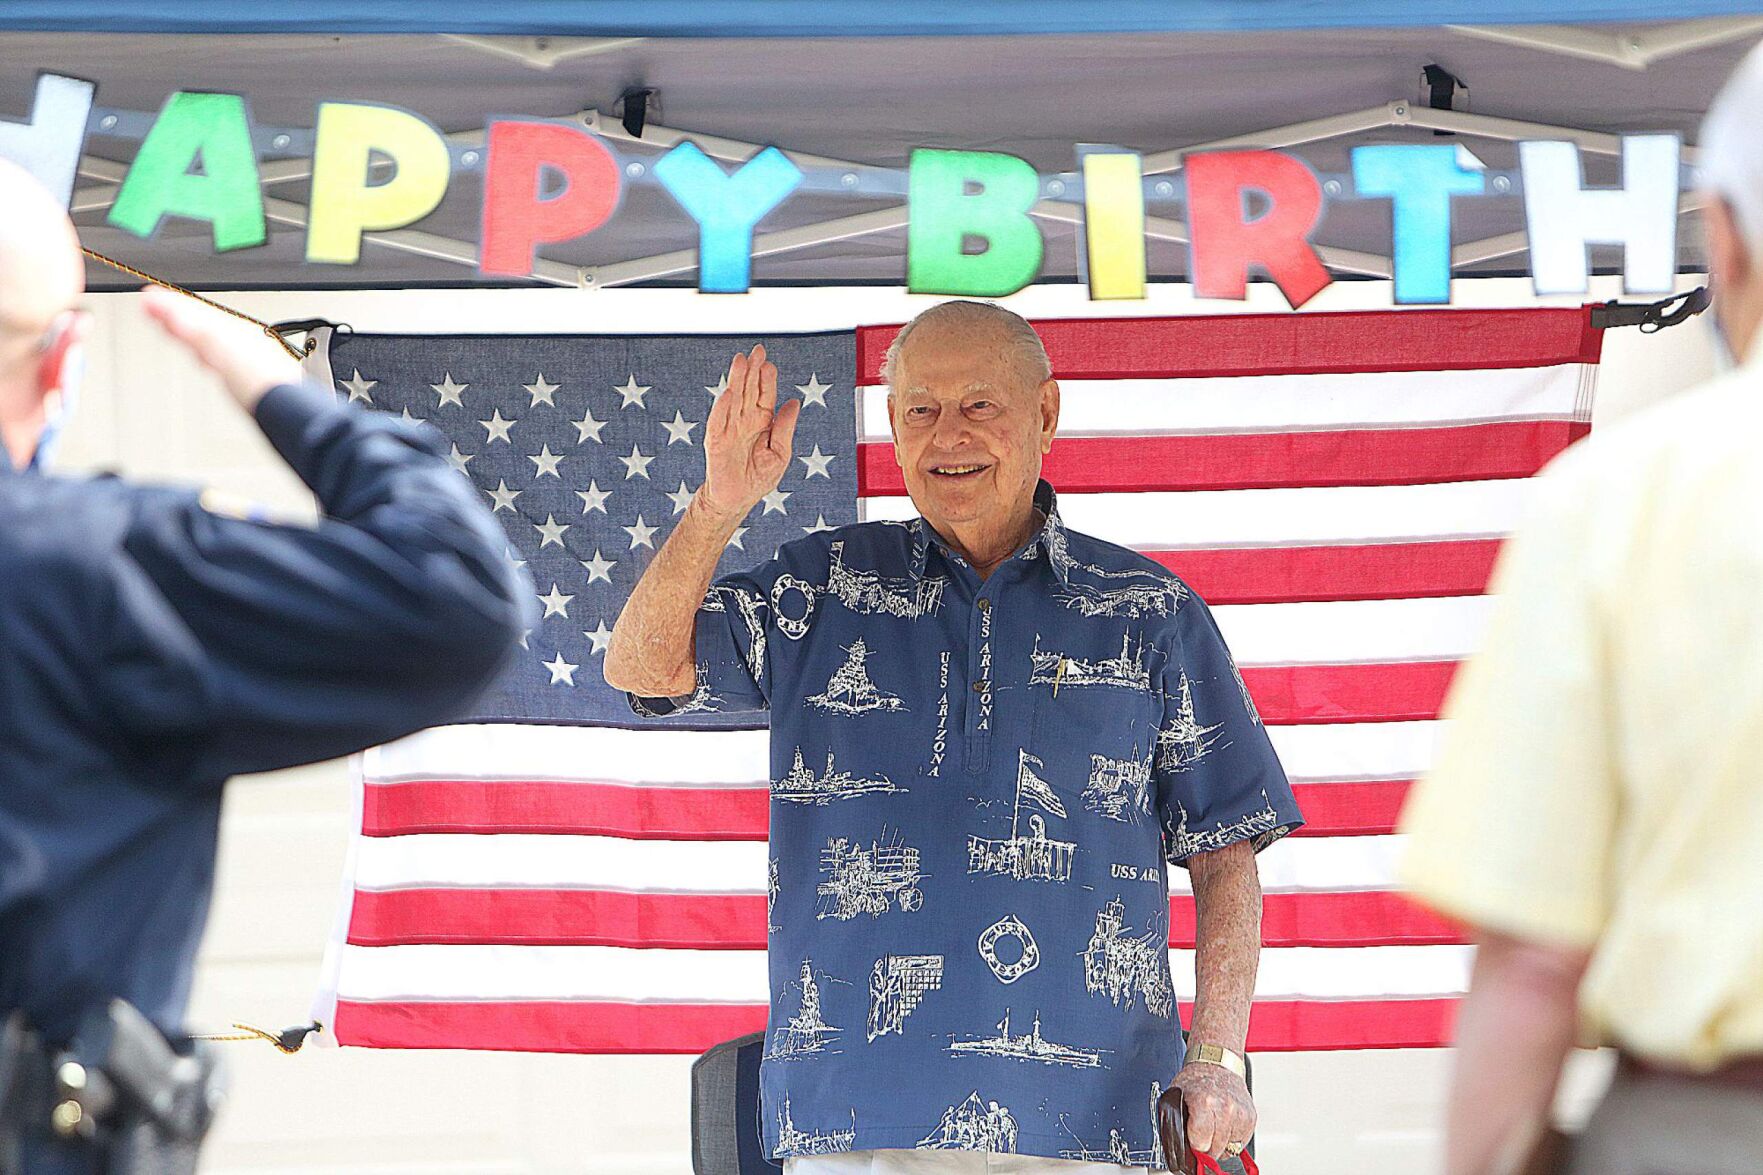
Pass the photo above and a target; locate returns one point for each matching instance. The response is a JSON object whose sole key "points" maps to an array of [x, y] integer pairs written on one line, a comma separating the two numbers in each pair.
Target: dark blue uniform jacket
{"points": [[150, 648]]}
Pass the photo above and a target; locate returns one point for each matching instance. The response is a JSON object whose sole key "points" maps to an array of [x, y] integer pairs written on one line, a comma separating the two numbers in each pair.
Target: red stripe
{"points": [[576, 917], [1303, 695], [586, 809], [561, 1026], [1203, 345], [1379, 571], [1360, 808], [472, 807], [1272, 460]]}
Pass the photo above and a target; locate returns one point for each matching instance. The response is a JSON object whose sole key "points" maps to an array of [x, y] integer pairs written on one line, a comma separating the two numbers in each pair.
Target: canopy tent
{"points": [[1270, 74]]}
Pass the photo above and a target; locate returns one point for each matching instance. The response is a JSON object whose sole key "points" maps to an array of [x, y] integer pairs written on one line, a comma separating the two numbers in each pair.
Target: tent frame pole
{"points": [[1635, 50]]}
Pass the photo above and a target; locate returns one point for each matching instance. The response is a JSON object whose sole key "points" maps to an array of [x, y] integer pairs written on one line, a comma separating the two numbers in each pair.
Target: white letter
{"points": [[1563, 218]]}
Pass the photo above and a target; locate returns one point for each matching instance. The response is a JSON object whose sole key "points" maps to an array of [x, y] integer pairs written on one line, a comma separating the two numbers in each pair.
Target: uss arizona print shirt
{"points": [[976, 789]]}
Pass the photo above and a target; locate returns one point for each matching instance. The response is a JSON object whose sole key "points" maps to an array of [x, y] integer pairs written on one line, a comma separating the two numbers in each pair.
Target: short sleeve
{"points": [[729, 646], [1512, 829], [1217, 776]]}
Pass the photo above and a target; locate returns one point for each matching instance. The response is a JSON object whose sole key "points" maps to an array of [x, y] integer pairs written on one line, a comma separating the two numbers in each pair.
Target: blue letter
{"points": [[726, 208], [1420, 180]]}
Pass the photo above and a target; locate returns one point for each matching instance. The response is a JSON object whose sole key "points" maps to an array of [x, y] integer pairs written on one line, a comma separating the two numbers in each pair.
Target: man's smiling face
{"points": [[970, 426]]}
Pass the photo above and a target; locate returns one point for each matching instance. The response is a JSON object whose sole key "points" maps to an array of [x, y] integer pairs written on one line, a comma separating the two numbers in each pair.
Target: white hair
{"points": [[1023, 350], [1731, 149]]}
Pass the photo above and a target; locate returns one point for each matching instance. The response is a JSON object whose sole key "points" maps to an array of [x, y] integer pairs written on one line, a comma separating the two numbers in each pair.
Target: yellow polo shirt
{"points": [[1600, 782]]}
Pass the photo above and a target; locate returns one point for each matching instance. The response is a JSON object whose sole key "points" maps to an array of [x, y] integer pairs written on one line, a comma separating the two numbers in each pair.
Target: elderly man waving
{"points": [[989, 733]]}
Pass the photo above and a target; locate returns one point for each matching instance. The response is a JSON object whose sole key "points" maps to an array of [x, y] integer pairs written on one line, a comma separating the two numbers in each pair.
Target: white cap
{"points": [[1731, 147]]}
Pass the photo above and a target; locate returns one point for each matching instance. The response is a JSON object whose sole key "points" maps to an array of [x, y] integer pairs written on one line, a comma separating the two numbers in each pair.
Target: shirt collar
{"points": [[1050, 538]]}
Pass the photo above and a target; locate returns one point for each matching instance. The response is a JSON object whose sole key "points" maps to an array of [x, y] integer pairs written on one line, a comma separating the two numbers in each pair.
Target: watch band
{"points": [[1214, 1054]]}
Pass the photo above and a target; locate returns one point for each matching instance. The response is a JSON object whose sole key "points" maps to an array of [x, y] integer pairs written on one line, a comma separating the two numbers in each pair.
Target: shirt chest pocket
{"points": [[1098, 706]]}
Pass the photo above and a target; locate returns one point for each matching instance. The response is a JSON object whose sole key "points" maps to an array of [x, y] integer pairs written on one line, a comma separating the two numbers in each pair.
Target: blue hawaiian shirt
{"points": [[975, 789]]}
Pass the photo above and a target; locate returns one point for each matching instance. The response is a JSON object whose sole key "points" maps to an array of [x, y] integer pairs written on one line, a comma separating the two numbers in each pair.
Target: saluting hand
{"points": [[247, 360], [747, 438]]}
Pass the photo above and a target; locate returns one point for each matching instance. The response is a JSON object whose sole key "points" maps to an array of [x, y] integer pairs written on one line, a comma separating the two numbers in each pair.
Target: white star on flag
{"points": [[632, 392], [503, 497], [449, 392], [719, 387], [774, 502], [679, 430], [641, 536], [681, 498], [587, 428], [734, 540], [547, 461], [556, 603], [498, 428], [820, 524], [601, 636], [593, 498], [459, 460], [599, 568], [817, 463], [562, 672], [541, 392], [358, 387], [814, 392], [552, 530], [636, 465], [409, 419]]}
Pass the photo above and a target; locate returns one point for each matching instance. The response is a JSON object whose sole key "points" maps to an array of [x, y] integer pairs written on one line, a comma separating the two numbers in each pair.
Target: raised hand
{"points": [[247, 361], [747, 439]]}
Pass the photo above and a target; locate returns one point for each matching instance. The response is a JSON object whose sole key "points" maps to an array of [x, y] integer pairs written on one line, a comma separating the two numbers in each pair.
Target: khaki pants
{"points": [[1648, 1125]]}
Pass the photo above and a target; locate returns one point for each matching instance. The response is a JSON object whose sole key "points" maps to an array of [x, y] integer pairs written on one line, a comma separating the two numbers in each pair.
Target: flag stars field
{"points": [[636, 465], [679, 430], [587, 428], [593, 498], [817, 463], [503, 497], [497, 427], [632, 392], [814, 392], [541, 392], [546, 462], [449, 392], [552, 531], [556, 603], [681, 498], [562, 672], [641, 536], [600, 636], [599, 567], [359, 388]]}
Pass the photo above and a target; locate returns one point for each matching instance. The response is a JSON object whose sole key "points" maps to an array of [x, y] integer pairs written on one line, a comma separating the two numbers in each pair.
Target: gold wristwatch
{"points": [[1215, 1054]]}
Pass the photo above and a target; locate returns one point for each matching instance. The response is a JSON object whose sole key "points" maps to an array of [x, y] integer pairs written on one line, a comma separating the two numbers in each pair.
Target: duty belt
{"points": [[120, 1089]]}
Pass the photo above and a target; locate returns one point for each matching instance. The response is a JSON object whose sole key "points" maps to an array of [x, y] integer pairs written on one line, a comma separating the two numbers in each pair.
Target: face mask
{"points": [[73, 372], [1724, 358]]}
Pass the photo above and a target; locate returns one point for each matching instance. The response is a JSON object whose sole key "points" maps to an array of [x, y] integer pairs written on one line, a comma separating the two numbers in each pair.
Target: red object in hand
{"points": [[1181, 1157]]}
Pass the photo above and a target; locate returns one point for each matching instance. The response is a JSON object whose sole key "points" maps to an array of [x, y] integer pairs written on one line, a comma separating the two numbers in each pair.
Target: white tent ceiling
{"points": [[866, 103]]}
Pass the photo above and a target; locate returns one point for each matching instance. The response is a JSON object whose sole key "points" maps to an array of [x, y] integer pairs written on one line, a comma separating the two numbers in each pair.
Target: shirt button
{"points": [[985, 605], [980, 687]]}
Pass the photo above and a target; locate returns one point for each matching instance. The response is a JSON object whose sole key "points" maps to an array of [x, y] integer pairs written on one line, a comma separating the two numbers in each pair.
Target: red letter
{"points": [[1225, 244], [516, 220]]}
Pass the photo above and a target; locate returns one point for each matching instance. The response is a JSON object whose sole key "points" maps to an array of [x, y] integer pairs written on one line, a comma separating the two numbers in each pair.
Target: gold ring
{"points": [[1234, 1149]]}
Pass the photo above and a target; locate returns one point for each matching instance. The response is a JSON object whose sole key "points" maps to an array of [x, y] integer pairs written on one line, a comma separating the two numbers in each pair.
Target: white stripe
{"points": [[1352, 750], [525, 861], [657, 756], [1255, 518], [1353, 631], [682, 976], [1356, 750], [1276, 403]]}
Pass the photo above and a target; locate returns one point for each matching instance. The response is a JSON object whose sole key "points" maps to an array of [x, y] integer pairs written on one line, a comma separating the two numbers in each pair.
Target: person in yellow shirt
{"points": [[1596, 811]]}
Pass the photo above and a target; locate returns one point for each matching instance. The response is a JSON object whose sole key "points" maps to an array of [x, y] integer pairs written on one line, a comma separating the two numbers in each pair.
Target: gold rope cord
{"points": [[147, 277]]}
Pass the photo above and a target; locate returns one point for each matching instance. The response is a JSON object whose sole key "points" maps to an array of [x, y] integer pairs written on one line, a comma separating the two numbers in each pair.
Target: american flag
{"points": [[556, 875]]}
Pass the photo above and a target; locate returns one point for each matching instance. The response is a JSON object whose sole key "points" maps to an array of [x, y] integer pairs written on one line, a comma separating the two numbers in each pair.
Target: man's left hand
{"points": [[1220, 1112]]}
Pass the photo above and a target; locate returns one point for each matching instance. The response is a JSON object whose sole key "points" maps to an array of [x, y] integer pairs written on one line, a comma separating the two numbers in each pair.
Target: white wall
{"points": [[148, 413]]}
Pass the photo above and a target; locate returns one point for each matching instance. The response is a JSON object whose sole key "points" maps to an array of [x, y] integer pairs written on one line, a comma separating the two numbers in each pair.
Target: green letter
{"points": [[954, 195], [206, 128]]}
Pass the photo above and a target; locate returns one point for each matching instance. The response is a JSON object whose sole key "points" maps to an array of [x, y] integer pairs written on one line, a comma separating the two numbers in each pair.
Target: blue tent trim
{"points": [[820, 18]]}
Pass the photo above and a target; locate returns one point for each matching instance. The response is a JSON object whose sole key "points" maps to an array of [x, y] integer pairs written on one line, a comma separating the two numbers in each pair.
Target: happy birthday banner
{"points": [[377, 168]]}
